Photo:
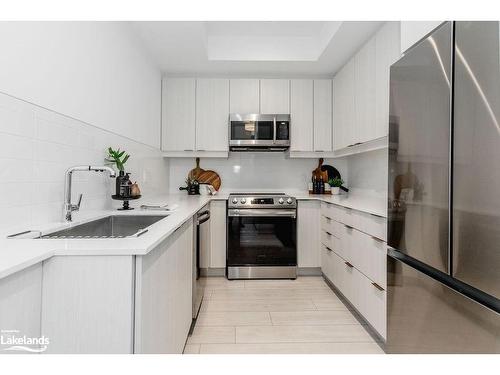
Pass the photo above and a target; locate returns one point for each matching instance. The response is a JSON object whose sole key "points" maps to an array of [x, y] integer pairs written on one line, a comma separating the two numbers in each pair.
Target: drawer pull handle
{"points": [[328, 218], [348, 226], [377, 239], [348, 264], [377, 286], [328, 233], [328, 248]]}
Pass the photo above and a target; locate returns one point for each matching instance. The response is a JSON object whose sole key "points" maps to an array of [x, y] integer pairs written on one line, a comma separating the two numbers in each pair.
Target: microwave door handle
{"points": [[274, 130]]}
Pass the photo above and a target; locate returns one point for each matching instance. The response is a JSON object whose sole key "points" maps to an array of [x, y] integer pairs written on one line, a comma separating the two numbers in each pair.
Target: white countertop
{"points": [[18, 254]]}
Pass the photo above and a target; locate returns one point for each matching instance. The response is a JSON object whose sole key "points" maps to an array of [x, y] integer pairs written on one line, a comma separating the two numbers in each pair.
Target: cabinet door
{"points": [[345, 106], [413, 31], [274, 96], [244, 96], [301, 106], [218, 234], [88, 304], [387, 52], [164, 294], [308, 234], [20, 304], [178, 114], [323, 115], [212, 114], [338, 111], [365, 93]]}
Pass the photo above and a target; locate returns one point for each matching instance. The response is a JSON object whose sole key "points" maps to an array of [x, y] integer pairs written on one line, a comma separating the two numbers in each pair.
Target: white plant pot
{"points": [[335, 190]]}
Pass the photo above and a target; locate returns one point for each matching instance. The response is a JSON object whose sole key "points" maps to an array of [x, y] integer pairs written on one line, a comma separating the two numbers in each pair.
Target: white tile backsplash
{"points": [[37, 146], [368, 173], [254, 171]]}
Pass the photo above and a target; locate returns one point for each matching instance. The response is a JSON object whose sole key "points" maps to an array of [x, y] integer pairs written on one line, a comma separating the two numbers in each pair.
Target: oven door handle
{"points": [[262, 212]]}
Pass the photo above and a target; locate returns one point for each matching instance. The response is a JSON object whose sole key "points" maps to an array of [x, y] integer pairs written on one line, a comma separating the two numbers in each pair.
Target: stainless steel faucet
{"points": [[68, 206]]}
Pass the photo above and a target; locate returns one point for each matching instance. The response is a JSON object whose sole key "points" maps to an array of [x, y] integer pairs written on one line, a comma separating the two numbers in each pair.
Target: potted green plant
{"points": [[118, 158], [335, 183]]}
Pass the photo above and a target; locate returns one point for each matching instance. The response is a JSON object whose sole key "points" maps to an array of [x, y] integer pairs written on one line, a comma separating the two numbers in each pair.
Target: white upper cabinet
{"points": [[322, 115], [244, 96], [413, 31], [178, 115], [387, 53], [301, 115], [365, 80], [344, 106], [361, 100], [212, 114], [274, 96]]}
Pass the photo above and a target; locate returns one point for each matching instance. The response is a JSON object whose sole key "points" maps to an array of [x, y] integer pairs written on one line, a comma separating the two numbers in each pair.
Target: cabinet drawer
{"points": [[328, 239], [349, 217], [373, 225], [332, 211], [327, 224], [368, 254], [345, 242], [327, 262], [374, 307]]}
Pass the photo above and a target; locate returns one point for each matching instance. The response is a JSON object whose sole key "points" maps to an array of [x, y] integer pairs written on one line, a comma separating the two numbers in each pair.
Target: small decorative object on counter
{"points": [[118, 158], [135, 191], [192, 186], [335, 183]]}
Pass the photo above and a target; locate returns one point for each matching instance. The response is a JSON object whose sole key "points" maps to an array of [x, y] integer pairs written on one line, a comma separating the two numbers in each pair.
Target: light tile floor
{"points": [[300, 316]]}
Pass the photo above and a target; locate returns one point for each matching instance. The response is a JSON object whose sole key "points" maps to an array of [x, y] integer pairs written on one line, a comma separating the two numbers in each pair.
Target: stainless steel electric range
{"points": [[261, 236]]}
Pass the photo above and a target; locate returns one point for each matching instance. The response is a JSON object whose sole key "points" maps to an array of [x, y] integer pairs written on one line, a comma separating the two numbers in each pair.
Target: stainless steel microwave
{"points": [[254, 132]]}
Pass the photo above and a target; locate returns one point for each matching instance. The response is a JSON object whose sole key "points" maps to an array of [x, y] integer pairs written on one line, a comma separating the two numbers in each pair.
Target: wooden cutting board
{"points": [[318, 172], [211, 178], [195, 172]]}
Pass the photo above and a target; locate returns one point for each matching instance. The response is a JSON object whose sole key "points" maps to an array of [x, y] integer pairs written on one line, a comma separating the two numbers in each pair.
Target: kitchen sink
{"points": [[114, 226]]}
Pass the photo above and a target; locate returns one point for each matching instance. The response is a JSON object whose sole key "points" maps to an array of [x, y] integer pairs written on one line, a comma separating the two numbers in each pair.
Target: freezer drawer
{"points": [[426, 316]]}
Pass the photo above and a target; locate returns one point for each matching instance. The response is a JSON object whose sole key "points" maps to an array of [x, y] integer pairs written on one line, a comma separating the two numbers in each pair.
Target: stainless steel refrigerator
{"points": [[444, 193]]}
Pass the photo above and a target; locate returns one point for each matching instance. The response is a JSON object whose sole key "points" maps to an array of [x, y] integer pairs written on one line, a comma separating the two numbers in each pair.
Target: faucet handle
{"points": [[79, 201]]}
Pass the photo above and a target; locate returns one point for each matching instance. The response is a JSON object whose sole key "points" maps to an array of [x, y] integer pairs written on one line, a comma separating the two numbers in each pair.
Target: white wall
{"points": [[367, 173], [254, 171], [36, 148], [96, 72]]}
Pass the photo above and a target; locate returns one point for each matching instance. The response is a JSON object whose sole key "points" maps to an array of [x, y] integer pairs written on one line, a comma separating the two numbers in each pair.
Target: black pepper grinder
{"points": [[321, 186], [315, 185]]}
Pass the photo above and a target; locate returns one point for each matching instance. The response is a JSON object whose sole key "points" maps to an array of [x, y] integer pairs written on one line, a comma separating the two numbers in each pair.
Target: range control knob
{"points": [[281, 201], [243, 201], [235, 200], [289, 201]]}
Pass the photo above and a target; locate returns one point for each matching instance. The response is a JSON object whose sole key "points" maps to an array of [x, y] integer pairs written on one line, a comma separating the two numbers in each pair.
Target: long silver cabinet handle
{"points": [[378, 286]]}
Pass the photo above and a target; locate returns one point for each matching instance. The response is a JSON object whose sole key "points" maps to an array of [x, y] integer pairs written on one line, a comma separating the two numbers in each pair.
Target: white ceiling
{"points": [[264, 48]]}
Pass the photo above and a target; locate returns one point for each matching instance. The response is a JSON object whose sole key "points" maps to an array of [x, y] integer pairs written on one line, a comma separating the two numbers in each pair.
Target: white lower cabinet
{"points": [[308, 235], [213, 237], [354, 259], [20, 304], [218, 230], [87, 304], [163, 294]]}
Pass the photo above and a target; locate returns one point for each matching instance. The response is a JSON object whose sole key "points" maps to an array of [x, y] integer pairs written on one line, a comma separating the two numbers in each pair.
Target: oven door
{"points": [[261, 237]]}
